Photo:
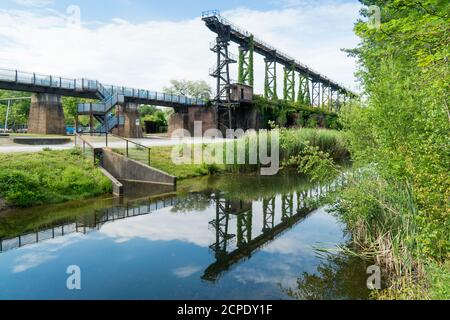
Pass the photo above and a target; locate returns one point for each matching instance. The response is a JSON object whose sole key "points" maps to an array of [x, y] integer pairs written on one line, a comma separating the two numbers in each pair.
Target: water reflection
{"points": [[230, 220]]}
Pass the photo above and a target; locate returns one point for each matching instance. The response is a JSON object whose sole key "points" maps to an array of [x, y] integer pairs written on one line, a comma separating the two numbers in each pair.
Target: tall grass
{"points": [[293, 142], [382, 218]]}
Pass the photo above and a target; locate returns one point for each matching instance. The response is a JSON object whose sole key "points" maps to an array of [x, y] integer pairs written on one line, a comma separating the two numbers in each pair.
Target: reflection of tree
{"points": [[192, 202], [339, 277]]}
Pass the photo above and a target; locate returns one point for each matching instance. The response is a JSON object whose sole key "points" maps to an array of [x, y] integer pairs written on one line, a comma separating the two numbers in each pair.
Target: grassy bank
{"points": [[292, 143], [28, 179]]}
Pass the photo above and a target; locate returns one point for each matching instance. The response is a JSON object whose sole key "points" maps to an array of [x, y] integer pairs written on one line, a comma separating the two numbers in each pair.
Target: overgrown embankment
{"points": [[28, 179], [292, 142], [398, 212], [295, 114]]}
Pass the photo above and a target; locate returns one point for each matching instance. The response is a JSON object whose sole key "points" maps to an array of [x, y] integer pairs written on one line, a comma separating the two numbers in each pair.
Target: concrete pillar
{"points": [[132, 127], [46, 114], [177, 120], [206, 115]]}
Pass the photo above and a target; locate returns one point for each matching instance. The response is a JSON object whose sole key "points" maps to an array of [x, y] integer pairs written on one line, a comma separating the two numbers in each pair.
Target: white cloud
{"points": [[31, 260], [149, 54], [162, 225], [185, 272], [34, 3]]}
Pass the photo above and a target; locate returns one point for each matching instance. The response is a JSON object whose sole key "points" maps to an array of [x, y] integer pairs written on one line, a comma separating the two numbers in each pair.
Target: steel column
{"points": [[245, 71], [289, 83], [315, 93], [270, 81], [304, 96]]}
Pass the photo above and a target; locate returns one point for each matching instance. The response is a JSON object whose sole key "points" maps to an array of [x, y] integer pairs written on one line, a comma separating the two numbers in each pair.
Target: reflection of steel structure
{"points": [[220, 225], [294, 208], [268, 214], [244, 227], [86, 225], [287, 206]]}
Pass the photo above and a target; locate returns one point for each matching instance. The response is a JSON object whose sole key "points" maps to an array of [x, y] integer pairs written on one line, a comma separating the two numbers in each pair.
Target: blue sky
{"points": [[143, 10], [146, 43]]}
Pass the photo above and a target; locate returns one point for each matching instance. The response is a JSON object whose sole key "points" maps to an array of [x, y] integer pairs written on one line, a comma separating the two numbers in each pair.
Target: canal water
{"points": [[227, 237]]}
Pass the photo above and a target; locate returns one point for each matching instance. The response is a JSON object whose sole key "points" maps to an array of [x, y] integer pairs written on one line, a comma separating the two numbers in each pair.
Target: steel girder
{"points": [[220, 225], [287, 206], [245, 70], [289, 83], [270, 80], [315, 94], [244, 228], [268, 214], [304, 96], [326, 96]]}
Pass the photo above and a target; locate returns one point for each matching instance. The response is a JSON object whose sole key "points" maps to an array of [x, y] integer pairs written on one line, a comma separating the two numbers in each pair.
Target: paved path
{"points": [[98, 143]]}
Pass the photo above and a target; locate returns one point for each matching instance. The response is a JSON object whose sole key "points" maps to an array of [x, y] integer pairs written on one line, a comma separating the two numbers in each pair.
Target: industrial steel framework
{"points": [[245, 71], [287, 206], [244, 228], [315, 94], [270, 79], [268, 214], [220, 225], [289, 83], [249, 44], [326, 96], [304, 95]]}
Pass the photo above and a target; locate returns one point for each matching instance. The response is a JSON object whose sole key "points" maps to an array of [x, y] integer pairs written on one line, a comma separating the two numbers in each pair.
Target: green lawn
{"points": [[28, 179], [161, 158]]}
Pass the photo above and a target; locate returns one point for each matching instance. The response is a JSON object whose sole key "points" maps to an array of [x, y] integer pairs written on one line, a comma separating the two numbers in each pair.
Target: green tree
{"points": [[401, 133], [194, 89]]}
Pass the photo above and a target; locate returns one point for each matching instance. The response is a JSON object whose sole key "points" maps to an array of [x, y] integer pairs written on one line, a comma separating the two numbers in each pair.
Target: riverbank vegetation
{"points": [[295, 114], [28, 179], [292, 142], [398, 208]]}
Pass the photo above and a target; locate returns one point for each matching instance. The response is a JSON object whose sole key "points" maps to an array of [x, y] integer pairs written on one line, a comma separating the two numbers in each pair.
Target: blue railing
{"points": [[112, 122], [104, 91]]}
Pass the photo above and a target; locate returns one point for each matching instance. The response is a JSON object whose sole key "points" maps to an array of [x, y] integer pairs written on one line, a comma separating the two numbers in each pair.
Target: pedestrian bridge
{"points": [[86, 88], [46, 114]]}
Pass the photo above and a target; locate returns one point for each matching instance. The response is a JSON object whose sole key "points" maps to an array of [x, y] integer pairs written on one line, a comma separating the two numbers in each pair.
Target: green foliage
{"points": [[401, 212], [284, 112], [292, 143], [315, 163], [48, 177], [194, 89], [19, 109], [147, 110]]}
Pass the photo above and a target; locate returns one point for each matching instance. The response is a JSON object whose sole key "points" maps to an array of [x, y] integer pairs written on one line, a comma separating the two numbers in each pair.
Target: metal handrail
{"points": [[85, 143], [149, 149]]}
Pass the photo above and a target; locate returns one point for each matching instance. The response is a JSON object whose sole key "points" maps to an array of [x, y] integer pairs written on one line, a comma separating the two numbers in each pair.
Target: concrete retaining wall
{"points": [[123, 168], [207, 115], [116, 184]]}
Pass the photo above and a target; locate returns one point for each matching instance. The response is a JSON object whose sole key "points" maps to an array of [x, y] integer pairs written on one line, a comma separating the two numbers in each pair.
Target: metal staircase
{"points": [[102, 110]]}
